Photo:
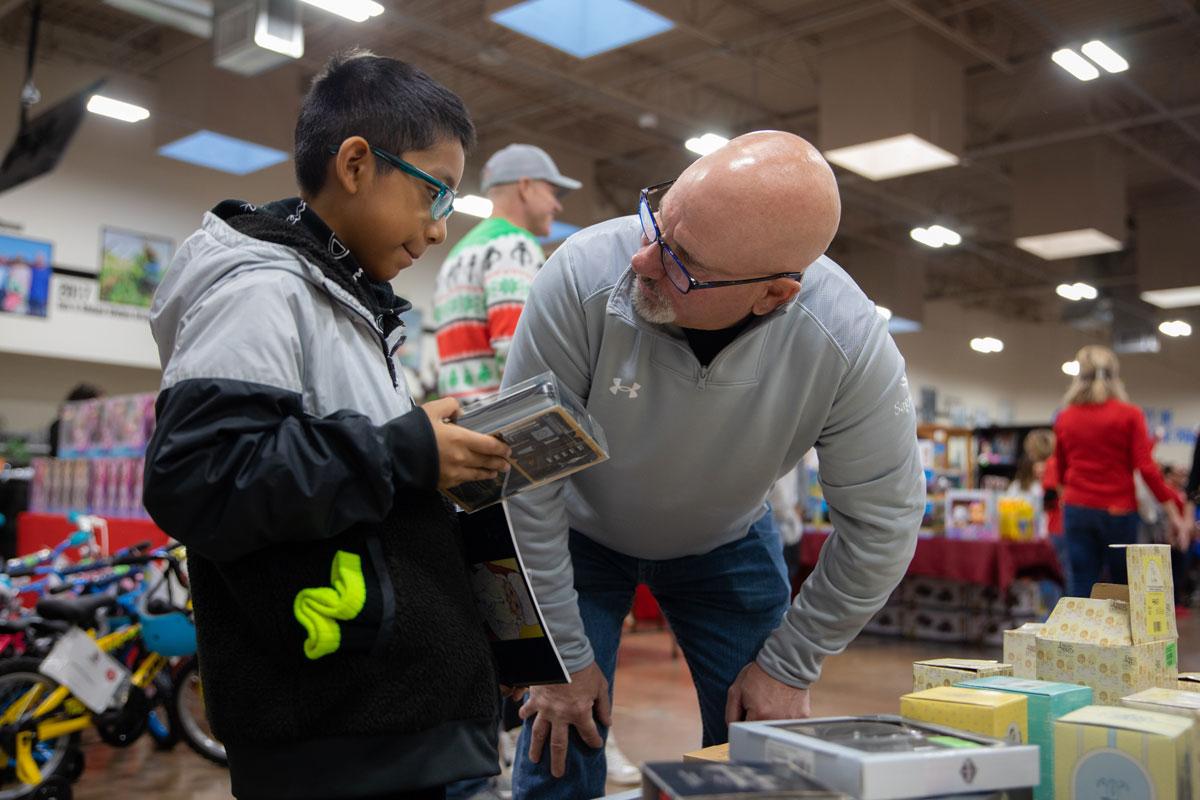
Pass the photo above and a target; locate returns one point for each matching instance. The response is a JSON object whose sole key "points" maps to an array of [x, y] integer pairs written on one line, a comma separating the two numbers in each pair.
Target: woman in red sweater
{"points": [[1100, 440]]}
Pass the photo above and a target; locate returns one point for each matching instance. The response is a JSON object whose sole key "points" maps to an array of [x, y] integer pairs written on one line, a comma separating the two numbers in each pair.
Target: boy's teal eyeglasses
{"points": [[443, 202]]}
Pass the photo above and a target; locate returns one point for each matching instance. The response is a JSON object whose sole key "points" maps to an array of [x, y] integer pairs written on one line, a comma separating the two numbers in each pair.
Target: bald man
{"points": [[715, 344]]}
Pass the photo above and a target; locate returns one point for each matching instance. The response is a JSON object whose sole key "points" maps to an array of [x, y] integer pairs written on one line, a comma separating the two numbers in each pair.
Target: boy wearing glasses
{"points": [[343, 655]]}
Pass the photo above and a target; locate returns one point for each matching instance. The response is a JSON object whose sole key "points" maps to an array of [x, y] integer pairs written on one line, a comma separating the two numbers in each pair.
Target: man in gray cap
{"points": [[485, 279]]}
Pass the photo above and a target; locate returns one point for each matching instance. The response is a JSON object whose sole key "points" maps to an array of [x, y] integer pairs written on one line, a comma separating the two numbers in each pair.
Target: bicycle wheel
{"points": [[55, 758], [162, 731], [188, 715]]}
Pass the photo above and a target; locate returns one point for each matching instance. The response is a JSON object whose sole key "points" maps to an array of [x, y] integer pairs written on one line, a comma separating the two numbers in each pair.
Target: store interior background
{"points": [[618, 121], [725, 67]]}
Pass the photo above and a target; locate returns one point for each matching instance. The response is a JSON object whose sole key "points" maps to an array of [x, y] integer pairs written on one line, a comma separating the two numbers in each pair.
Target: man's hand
{"points": [[755, 695], [463, 455], [580, 703]]}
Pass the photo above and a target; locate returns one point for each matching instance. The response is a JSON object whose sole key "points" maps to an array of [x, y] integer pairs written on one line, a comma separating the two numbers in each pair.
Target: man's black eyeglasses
{"points": [[681, 279]]}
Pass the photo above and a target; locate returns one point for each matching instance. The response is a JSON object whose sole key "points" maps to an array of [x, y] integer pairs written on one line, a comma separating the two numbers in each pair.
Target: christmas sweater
{"points": [[480, 292]]}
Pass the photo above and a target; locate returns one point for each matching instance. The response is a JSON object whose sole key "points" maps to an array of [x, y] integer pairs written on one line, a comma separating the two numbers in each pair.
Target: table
{"points": [[35, 531], [995, 563]]}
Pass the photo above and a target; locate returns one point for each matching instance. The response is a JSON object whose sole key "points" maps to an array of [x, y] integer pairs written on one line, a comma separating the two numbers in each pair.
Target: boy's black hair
{"points": [[83, 391], [391, 104]]}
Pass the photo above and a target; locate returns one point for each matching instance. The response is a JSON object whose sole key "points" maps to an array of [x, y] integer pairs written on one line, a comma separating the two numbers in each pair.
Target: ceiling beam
{"points": [[950, 34]]}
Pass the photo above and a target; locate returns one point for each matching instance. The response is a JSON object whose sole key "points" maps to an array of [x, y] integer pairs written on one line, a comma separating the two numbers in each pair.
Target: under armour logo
{"points": [[968, 771], [632, 391]]}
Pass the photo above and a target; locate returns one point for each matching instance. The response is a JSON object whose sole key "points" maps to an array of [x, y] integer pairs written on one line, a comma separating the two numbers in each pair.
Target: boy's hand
{"points": [[463, 455]]}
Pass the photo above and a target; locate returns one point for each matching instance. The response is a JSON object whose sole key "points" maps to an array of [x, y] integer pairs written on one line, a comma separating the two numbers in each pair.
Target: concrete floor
{"points": [[656, 717]]}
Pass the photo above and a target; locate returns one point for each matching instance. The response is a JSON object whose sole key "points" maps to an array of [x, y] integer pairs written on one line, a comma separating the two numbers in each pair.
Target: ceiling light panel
{"points": [[353, 10], [583, 28], [222, 153], [1182, 297], [1075, 64], [1105, 56], [906, 154], [116, 109], [1069, 244]]}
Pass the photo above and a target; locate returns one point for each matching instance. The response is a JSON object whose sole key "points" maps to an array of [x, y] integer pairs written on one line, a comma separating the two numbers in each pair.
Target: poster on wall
{"points": [[131, 266], [24, 275]]}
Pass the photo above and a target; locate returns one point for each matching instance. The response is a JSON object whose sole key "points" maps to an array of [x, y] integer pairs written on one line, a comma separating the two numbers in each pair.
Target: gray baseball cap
{"points": [[517, 161]]}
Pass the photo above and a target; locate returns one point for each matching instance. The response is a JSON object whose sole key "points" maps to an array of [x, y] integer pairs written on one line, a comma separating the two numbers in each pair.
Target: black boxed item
{"points": [[707, 780]]}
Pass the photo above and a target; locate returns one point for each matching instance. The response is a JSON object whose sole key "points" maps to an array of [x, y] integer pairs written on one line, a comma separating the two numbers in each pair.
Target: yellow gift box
{"points": [[1166, 701], [1020, 650], [949, 671], [1122, 639], [1104, 752], [1000, 715], [1189, 682]]}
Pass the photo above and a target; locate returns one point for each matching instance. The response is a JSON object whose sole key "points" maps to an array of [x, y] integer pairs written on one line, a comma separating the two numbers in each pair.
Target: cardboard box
{"points": [[1020, 649], [949, 671], [886, 757], [935, 625], [672, 780], [1189, 682], [718, 752], [999, 715], [888, 621], [1103, 752], [1122, 639], [1166, 701], [1046, 702]]}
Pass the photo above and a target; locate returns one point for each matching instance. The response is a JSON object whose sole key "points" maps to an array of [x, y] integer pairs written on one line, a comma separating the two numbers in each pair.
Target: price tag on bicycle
{"points": [[93, 676]]}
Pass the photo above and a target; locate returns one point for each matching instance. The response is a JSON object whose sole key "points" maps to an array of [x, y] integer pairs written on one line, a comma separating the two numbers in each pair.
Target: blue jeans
{"points": [[1089, 532], [721, 606]]}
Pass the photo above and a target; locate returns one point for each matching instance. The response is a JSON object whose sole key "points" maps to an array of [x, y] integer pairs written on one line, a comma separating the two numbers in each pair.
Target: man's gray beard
{"points": [[650, 304]]}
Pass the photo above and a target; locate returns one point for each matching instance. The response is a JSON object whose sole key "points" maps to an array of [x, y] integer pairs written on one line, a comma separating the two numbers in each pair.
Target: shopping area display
{"points": [[1103, 715], [94, 641], [101, 447]]}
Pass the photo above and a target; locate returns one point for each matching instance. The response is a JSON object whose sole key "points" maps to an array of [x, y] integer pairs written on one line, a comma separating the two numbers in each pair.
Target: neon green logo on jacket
{"points": [[319, 609]]}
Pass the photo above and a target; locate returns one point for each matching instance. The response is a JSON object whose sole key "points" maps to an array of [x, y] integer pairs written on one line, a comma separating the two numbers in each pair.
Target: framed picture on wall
{"points": [[25, 275], [132, 265]]}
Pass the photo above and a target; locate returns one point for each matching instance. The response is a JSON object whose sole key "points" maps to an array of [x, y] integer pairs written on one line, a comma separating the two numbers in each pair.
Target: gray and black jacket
{"points": [[285, 436]]}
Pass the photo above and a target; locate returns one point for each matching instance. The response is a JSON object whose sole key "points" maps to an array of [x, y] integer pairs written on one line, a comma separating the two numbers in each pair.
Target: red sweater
{"points": [[1098, 448]]}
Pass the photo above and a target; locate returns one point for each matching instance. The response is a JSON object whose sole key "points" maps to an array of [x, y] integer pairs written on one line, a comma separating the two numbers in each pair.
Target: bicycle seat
{"points": [[81, 611]]}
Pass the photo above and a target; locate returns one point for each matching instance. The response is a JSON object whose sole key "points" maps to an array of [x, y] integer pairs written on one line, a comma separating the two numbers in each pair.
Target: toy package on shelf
{"points": [[971, 514], [1045, 702], [994, 714], [108, 487], [887, 757], [949, 671], [107, 427], [1122, 639], [674, 780], [1102, 752], [551, 435]]}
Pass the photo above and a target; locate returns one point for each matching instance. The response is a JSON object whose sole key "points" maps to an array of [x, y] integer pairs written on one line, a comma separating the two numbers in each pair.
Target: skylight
{"points": [[224, 153], [583, 28]]}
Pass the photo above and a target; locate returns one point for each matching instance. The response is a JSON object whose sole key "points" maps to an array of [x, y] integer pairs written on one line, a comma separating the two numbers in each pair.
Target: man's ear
{"points": [[778, 292], [354, 165], [524, 188]]}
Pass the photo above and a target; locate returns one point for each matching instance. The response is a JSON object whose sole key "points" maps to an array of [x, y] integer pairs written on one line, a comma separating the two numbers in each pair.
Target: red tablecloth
{"points": [[35, 531], [987, 563]]}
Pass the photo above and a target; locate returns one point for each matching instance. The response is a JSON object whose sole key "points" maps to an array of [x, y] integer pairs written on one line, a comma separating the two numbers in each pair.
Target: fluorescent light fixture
{"points": [[292, 48], [1076, 291], [474, 205], [1175, 328], [190, 16], [558, 232], [1182, 297], [353, 10], [583, 28], [117, 109], [708, 143], [935, 236], [901, 325], [1105, 56], [1069, 244], [883, 311], [987, 344], [223, 153], [890, 158], [1070, 368], [1075, 64]]}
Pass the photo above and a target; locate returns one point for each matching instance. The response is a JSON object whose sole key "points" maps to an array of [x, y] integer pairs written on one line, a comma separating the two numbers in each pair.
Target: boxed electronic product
{"points": [[996, 714], [1189, 682], [887, 757], [1046, 702], [1122, 639], [949, 671], [1020, 649], [551, 435], [674, 780], [1106, 752]]}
